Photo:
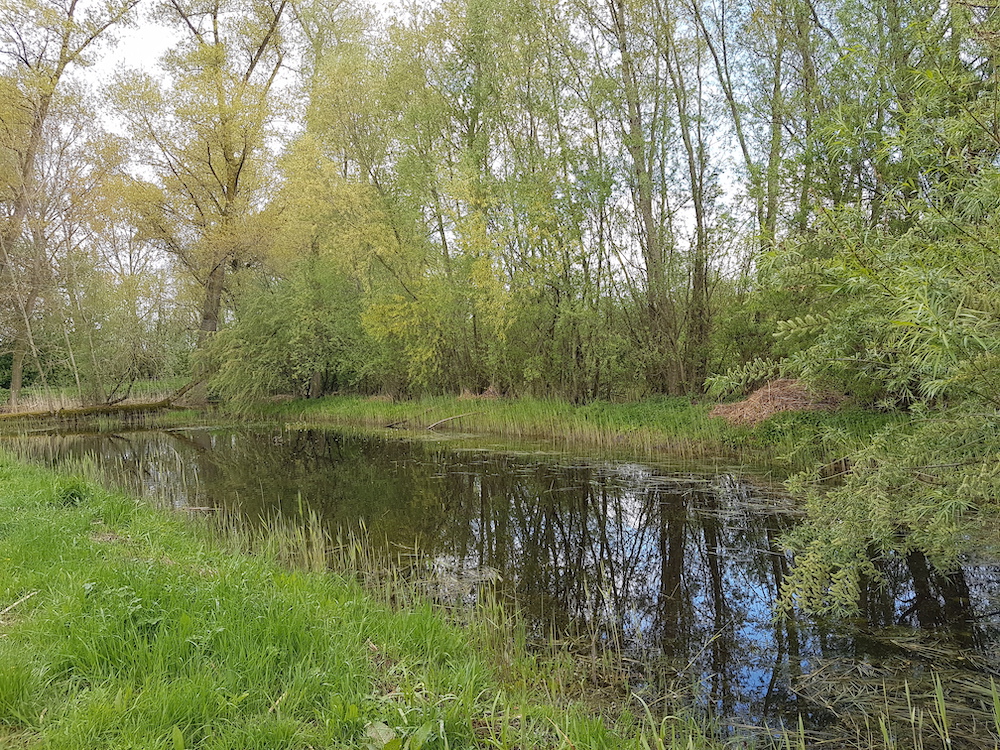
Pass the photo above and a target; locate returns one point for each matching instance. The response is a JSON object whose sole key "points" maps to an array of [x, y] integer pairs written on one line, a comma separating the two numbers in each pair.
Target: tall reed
{"points": [[664, 428]]}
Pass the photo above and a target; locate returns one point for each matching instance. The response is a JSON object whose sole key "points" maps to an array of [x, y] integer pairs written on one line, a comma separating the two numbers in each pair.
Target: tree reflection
{"points": [[682, 569]]}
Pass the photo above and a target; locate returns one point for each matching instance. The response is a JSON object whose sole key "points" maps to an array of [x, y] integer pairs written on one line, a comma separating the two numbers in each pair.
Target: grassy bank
{"points": [[123, 626], [660, 427]]}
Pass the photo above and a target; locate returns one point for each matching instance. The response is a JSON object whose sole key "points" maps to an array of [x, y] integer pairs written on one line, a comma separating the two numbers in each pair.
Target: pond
{"points": [[680, 569]]}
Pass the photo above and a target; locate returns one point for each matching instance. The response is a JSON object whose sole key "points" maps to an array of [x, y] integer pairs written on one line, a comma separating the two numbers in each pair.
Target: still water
{"points": [[679, 568]]}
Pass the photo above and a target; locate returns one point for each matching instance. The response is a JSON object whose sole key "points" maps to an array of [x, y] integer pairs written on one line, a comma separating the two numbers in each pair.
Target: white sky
{"points": [[140, 47]]}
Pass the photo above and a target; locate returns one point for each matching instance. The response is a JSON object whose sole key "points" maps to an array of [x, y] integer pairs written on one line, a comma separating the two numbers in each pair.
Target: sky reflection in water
{"points": [[682, 568]]}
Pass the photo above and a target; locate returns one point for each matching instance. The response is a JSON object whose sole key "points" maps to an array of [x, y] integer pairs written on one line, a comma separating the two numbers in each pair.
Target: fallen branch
{"points": [[404, 420], [22, 600], [185, 389], [448, 419], [87, 411], [90, 411]]}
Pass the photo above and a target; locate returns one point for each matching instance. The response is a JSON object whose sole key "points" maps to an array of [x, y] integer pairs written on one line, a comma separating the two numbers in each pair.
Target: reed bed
{"points": [[672, 428]]}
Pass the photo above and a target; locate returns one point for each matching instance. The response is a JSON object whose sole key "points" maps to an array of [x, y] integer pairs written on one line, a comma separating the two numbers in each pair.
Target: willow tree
{"points": [[407, 121], [41, 43], [203, 130], [903, 258], [548, 184]]}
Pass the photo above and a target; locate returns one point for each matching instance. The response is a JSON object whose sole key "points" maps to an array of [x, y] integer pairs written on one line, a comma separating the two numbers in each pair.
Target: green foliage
{"points": [[71, 491], [899, 269], [525, 198], [800, 326], [292, 336], [6, 362], [921, 486], [115, 331], [741, 380]]}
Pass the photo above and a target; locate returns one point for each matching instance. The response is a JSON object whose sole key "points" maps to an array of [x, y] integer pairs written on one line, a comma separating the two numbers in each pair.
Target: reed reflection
{"points": [[680, 569]]}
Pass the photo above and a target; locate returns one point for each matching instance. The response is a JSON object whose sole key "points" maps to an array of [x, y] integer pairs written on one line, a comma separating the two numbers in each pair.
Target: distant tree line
{"points": [[591, 199]]}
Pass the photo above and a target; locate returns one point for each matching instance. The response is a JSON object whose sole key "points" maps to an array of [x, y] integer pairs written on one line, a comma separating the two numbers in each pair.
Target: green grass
{"points": [[674, 428], [123, 626]]}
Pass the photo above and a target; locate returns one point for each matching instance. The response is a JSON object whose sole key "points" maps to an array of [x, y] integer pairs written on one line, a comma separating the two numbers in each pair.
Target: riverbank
{"points": [[671, 428], [659, 427], [126, 626]]}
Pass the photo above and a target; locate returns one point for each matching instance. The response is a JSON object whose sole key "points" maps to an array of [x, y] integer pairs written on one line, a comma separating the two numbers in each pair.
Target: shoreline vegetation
{"points": [[123, 625], [672, 428], [531, 197]]}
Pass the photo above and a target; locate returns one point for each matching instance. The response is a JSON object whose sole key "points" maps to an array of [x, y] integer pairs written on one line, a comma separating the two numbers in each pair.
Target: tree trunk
{"points": [[316, 384], [689, 117], [17, 370], [11, 231], [213, 303], [663, 373]]}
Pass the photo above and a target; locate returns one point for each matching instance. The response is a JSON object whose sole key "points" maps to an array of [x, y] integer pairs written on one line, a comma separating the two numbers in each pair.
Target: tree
{"points": [[204, 132], [41, 42], [122, 319], [904, 263]]}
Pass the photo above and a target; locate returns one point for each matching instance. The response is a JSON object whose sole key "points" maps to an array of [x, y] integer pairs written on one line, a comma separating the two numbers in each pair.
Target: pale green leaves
{"points": [[380, 736]]}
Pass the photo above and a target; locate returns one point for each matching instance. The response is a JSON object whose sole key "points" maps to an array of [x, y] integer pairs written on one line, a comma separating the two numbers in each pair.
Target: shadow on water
{"points": [[681, 570]]}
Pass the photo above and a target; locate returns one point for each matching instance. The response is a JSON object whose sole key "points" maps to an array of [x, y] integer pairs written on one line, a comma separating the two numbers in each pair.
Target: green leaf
{"points": [[421, 736]]}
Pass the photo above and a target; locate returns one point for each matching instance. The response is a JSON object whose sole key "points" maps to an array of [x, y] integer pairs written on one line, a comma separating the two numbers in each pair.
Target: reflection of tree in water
{"points": [[682, 568], [676, 566], [912, 592]]}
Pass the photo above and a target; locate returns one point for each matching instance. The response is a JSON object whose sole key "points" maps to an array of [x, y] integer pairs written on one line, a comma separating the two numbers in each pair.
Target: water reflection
{"points": [[685, 567]]}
